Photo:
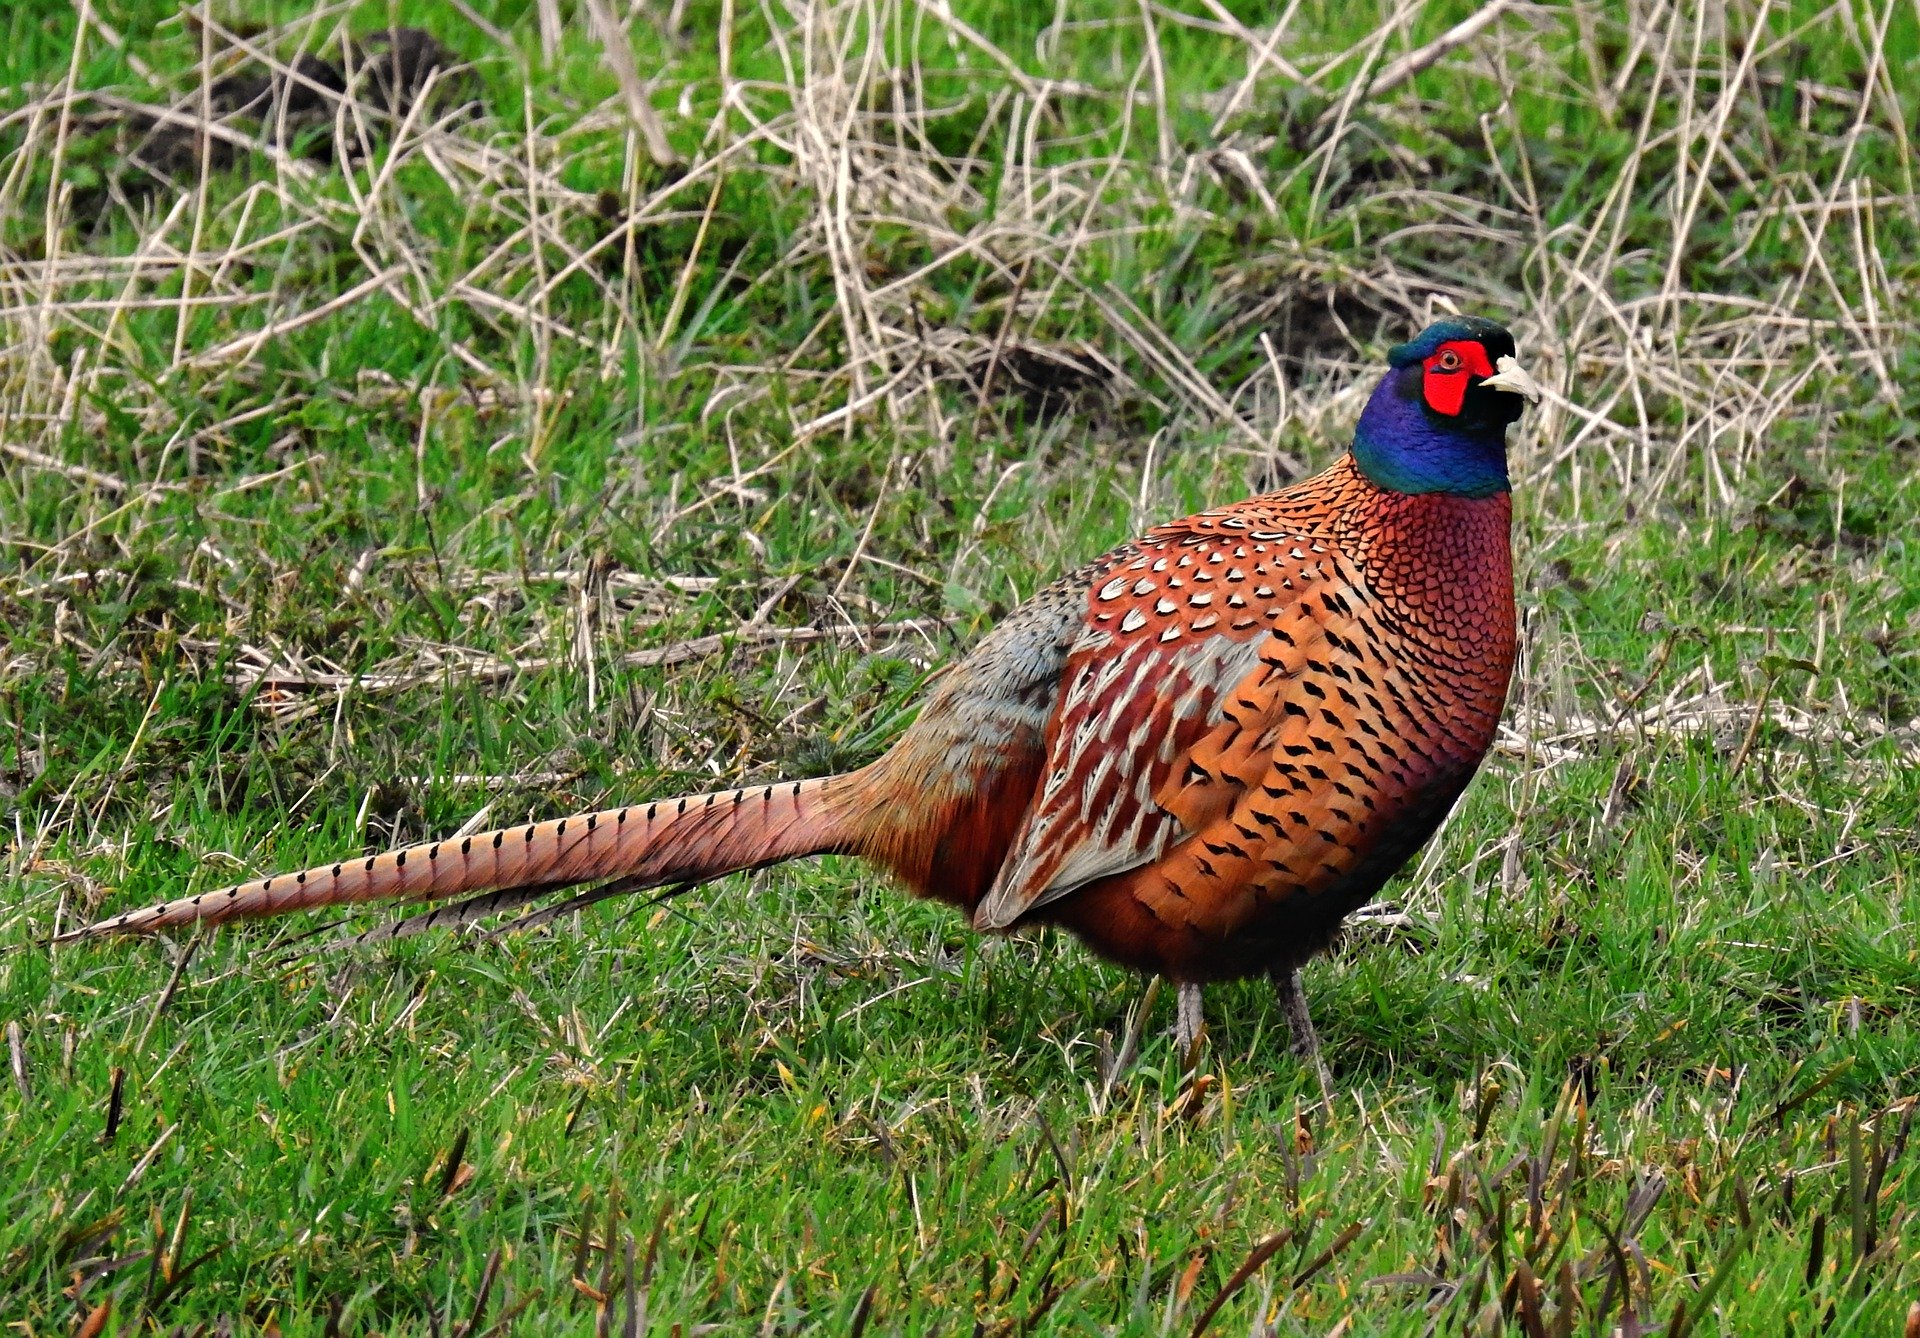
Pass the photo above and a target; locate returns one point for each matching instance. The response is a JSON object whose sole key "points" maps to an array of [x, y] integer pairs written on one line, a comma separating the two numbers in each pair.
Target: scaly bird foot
{"points": [[1190, 1025], [1306, 1041]]}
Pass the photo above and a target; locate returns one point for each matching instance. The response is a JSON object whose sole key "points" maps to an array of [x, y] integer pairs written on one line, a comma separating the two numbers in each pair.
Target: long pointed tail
{"points": [[673, 841]]}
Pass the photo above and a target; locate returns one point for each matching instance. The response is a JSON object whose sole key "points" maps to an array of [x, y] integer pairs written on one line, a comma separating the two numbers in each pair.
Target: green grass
{"points": [[1639, 1036]]}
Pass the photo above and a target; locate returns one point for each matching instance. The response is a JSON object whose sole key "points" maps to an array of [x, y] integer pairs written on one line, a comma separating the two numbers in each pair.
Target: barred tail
{"points": [[685, 840]]}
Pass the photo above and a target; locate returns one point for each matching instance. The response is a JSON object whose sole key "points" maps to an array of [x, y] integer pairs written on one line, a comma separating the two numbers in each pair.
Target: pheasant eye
{"points": [[1448, 361]]}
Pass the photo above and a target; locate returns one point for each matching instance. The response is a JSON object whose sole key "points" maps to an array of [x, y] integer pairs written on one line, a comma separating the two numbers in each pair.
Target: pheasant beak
{"points": [[1511, 376]]}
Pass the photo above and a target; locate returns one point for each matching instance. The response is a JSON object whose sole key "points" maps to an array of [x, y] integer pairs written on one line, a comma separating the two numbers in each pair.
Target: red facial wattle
{"points": [[1450, 371]]}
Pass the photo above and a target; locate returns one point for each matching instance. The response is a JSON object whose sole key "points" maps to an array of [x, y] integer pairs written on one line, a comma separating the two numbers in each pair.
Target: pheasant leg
{"points": [[1190, 1023], [1306, 1041]]}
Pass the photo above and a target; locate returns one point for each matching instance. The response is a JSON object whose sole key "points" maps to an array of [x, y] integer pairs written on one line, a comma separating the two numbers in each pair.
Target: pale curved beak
{"points": [[1511, 376]]}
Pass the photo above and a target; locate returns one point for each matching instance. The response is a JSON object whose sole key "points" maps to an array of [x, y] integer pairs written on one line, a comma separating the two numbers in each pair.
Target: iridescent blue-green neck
{"points": [[1402, 445]]}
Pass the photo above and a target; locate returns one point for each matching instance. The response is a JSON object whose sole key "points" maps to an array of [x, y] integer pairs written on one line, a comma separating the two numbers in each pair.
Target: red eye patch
{"points": [[1447, 371]]}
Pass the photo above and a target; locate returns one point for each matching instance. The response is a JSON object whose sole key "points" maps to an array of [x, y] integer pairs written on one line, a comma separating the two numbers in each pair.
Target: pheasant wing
{"points": [[1173, 699]]}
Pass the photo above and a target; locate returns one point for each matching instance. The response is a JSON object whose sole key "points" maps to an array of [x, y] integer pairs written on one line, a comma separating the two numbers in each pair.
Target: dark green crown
{"points": [[1492, 334]]}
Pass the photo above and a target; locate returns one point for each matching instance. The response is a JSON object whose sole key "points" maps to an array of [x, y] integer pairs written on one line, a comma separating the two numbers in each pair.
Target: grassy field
{"points": [[575, 430]]}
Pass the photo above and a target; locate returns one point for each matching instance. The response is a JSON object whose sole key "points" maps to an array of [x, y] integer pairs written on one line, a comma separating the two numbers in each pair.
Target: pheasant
{"points": [[1197, 753]]}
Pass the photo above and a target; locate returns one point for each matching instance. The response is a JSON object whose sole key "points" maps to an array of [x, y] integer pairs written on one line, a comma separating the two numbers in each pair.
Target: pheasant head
{"points": [[1437, 422]]}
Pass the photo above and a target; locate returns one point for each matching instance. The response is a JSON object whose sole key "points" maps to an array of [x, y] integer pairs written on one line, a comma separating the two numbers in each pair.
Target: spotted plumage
{"points": [[1234, 784], [1197, 753]]}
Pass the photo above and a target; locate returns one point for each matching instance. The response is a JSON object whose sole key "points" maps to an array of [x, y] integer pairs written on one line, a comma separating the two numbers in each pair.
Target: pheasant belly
{"points": [[1147, 920]]}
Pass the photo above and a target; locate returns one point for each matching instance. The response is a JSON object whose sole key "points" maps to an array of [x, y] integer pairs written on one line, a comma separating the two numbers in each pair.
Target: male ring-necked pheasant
{"points": [[1197, 753]]}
